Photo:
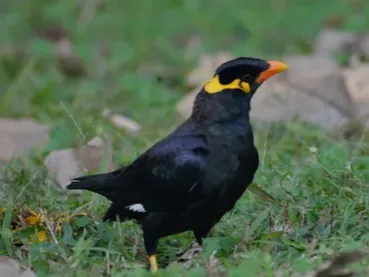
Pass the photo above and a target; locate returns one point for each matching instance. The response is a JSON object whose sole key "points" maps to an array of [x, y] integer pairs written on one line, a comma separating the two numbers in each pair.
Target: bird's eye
{"points": [[246, 78]]}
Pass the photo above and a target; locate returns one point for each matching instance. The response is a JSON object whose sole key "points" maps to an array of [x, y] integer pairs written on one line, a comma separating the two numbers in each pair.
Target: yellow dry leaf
{"points": [[27, 218], [34, 218], [41, 237]]}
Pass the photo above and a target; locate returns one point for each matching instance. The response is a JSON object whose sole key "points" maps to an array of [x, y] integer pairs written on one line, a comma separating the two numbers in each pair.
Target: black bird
{"points": [[191, 178]]}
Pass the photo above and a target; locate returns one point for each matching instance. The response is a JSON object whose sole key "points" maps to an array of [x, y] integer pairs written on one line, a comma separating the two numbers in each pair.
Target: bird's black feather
{"points": [[98, 183], [191, 178]]}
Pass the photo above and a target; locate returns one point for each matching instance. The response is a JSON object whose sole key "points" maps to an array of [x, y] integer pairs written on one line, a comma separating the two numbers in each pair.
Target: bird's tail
{"points": [[98, 183]]}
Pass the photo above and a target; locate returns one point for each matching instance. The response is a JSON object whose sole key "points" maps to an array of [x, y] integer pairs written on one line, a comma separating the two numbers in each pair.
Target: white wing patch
{"points": [[136, 208]]}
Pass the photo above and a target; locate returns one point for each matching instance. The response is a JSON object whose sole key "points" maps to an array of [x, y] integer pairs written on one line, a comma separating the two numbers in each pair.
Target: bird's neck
{"points": [[224, 106]]}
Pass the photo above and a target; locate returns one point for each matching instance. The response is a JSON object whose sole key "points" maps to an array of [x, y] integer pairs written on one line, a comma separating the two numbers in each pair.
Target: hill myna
{"points": [[191, 178]]}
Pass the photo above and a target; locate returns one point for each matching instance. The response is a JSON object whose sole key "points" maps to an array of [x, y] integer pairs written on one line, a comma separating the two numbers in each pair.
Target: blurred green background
{"points": [[137, 57]]}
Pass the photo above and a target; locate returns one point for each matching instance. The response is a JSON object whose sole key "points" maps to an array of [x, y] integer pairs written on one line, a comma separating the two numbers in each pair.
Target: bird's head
{"points": [[243, 74], [228, 93]]}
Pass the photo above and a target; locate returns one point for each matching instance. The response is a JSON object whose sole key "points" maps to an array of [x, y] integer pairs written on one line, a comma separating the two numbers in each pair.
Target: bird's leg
{"points": [[151, 245], [186, 257], [153, 263], [200, 234], [199, 239]]}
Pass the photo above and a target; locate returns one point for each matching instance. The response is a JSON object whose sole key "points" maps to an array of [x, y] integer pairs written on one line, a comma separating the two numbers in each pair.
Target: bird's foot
{"points": [[193, 246], [153, 264], [185, 258]]}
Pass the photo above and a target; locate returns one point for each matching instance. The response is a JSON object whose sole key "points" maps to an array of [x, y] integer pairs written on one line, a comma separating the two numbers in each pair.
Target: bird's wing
{"points": [[164, 175]]}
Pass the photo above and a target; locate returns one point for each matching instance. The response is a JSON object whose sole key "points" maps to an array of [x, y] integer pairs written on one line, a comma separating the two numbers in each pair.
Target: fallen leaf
{"points": [[28, 218], [47, 226], [73, 162], [122, 122], [10, 268], [32, 218], [18, 136], [330, 41]]}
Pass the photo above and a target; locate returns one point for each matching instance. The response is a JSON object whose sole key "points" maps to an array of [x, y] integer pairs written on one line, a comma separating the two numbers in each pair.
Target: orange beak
{"points": [[275, 67]]}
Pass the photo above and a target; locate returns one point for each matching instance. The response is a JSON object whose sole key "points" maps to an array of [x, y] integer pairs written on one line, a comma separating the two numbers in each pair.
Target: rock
{"points": [[10, 268], [363, 46], [275, 101], [322, 78], [7, 148], [357, 82], [122, 122], [330, 41], [72, 162], [18, 136]]}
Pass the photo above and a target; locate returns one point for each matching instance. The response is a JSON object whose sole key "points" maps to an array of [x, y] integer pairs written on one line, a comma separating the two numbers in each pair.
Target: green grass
{"points": [[322, 196]]}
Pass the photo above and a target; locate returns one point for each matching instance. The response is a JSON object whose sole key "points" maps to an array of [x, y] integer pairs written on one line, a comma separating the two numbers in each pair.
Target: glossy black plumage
{"points": [[190, 179]]}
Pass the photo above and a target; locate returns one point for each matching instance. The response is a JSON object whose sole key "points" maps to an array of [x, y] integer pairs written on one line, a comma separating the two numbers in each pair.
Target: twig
{"points": [[26, 186], [49, 227], [107, 264], [72, 118]]}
